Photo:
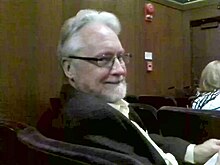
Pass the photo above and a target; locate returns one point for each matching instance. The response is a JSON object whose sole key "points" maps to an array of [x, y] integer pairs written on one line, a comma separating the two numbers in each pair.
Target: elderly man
{"points": [[95, 114]]}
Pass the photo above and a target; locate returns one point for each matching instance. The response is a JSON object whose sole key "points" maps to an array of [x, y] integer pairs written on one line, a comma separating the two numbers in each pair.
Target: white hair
{"points": [[72, 26], [210, 77]]}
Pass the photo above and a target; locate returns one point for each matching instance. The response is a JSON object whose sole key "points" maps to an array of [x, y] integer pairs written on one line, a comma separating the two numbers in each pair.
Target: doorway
{"points": [[205, 45]]}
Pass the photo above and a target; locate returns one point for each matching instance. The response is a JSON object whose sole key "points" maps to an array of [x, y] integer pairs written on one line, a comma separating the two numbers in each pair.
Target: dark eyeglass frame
{"points": [[106, 59]]}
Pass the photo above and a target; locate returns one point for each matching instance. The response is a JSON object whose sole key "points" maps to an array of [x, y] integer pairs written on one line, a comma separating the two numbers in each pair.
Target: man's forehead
{"points": [[99, 38], [96, 29], [95, 33]]}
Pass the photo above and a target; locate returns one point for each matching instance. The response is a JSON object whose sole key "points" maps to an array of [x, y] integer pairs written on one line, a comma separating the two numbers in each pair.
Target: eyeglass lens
{"points": [[110, 60]]}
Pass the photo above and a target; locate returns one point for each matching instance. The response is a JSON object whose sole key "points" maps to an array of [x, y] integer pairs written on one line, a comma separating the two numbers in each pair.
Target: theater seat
{"points": [[50, 122], [17, 147], [148, 115], [157, 101], [183, 102], [131, 98], [195, 126], [21, 144]]}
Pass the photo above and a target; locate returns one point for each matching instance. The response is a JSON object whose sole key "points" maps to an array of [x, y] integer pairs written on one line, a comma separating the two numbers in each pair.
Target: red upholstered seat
{"points": [[21, 144], [192, 125]]}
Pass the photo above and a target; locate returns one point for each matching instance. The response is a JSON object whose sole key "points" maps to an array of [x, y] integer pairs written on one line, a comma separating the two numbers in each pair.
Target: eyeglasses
{"points": [[106, 60]]}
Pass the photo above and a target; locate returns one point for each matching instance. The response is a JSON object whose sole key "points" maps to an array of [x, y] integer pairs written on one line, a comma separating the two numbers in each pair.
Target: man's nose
{"points": [[118, 68]]}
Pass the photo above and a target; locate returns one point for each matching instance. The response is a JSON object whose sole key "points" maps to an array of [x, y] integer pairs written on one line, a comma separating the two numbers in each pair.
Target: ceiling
{"points": [[186, 4], [184, 1]]}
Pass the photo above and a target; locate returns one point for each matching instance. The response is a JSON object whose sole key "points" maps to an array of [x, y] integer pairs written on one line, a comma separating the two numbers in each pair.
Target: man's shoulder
{"points": [[88, 106], [82, 100]]}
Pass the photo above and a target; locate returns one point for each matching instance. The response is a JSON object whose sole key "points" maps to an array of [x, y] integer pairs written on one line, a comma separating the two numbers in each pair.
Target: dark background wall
{"points": [[29, 30]]}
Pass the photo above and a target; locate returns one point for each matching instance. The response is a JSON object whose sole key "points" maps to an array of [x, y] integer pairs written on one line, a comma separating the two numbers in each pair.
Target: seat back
{"points": [[21, 144], [183, 102], [9, 143], [50, 122], [131, 98], [148, 115], [195, 126], [157, 101], [59, 152]]}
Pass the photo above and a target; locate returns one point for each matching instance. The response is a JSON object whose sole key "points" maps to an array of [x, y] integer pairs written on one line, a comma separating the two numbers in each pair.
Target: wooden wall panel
{"points": [[49, 77], [200, 12], [163, 37], [29, 30], [29, 73], [17, 33]]}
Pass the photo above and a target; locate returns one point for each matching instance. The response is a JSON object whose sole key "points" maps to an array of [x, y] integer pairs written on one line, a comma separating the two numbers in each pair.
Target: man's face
{"points": [[106, 82]]}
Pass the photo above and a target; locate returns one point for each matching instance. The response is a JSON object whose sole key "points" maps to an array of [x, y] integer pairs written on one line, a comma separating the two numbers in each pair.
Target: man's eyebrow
{"points": [[105, 53], [112, 53]]}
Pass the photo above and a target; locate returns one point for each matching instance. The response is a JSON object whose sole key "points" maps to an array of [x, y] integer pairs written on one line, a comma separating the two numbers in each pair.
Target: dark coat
{"points": [[89, 120]]}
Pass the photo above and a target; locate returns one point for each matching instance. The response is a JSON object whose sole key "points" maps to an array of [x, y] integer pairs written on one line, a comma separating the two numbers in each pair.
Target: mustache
{"points": [[116, 81]]}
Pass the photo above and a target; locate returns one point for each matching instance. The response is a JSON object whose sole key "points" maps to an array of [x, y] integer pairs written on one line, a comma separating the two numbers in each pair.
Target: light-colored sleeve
{"points": [[189, 157]]}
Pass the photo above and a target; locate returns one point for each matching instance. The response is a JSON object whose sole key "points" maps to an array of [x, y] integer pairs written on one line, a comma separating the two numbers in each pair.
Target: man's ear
{"points": [[68, 69]]}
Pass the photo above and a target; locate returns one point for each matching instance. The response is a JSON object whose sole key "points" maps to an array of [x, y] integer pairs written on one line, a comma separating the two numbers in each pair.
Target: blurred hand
{"points": [[206, 150]]}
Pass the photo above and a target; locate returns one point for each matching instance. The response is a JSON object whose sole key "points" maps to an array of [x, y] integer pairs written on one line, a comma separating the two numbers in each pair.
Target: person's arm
{"points": [[176, 146], [186, 152], [203, 152]]}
